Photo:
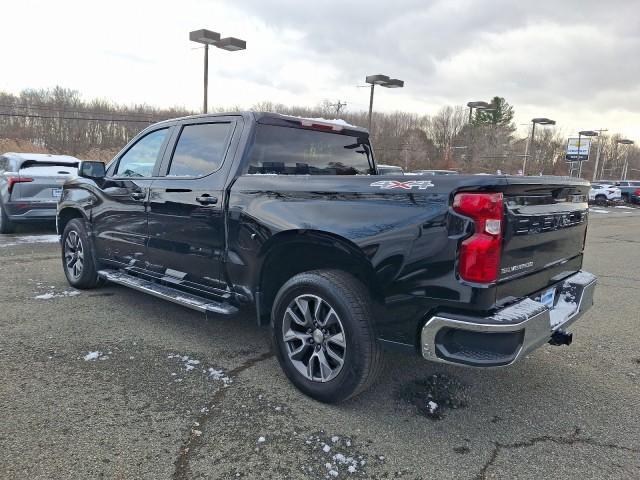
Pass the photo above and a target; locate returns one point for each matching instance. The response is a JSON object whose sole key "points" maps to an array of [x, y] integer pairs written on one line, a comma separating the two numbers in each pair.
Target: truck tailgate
{"points": [[544, 234]]}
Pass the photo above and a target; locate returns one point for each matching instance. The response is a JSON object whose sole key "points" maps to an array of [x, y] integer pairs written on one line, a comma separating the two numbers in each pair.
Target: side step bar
{"points": [[188, 300]]}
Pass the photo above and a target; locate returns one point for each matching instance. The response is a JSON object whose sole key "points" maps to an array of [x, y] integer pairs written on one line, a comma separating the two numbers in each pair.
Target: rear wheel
{"points": [[601, 200], [323, 335], [6, 225], [77, 258]]}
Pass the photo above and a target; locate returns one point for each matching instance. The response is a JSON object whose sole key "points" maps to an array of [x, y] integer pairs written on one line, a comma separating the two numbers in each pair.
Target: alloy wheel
{"points": [[74, 254], [314, 337]]}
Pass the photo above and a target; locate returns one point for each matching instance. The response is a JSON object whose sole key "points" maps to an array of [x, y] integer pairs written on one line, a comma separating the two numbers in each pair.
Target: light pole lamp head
{"points": [[377, 79], [479, 105], [204, 36], [588, 133], [625, 141], [543, 121], [231, 44], [394, 83]]}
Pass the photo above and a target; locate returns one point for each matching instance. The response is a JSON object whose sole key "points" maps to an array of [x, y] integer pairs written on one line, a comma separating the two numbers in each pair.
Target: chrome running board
{"points": [[174, 295]]}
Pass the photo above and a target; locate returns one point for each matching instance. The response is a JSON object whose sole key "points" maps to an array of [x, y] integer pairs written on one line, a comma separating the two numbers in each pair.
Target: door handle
{"points": [[207, 199], [138, 195]]}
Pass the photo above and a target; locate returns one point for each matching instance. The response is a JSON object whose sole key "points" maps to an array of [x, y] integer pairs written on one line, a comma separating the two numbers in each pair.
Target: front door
{"points": [[119, 217], [186, 207]]}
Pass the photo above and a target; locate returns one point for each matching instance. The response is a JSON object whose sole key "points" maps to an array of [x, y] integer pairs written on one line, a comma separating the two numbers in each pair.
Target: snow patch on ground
{"points": [[625, 207], [53, 294], [337, 459], [190, 365], [596, 210], [96, 355], [29, 239]]}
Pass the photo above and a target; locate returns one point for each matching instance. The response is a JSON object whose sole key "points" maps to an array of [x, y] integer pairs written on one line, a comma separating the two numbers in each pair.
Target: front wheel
{"points": [[323, 335], [77, 258], [601, 200]]}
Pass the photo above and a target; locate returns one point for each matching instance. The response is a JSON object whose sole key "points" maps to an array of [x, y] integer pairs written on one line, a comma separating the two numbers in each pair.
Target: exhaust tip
{"points": [[560, 337]]}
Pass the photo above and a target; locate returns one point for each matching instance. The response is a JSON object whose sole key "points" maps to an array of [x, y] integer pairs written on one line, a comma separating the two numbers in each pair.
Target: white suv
{"points": [[601, 193]]}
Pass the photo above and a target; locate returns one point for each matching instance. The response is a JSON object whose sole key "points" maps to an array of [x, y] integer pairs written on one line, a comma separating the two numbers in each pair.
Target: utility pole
{"points": [[338, 106]]}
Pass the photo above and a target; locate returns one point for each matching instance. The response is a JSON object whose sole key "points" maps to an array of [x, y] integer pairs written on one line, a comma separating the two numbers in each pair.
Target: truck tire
{"points": [[6, 225], [78, 260], [322, 331]]}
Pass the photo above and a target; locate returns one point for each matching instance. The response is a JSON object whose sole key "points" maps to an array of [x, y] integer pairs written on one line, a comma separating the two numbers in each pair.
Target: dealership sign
{"points": [[572, 154]]}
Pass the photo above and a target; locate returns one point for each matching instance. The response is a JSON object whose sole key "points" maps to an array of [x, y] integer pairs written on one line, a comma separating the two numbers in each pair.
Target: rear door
{"points": [[186, 206], [120, 217]]}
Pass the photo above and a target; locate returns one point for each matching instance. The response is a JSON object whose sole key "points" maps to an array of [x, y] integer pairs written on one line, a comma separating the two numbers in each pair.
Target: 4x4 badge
{"points": [[391, 184]]}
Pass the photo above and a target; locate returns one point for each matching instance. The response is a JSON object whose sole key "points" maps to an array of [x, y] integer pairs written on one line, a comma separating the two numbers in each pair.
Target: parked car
{"points": [[603, 193], [289, 218], [30, 186], [435, 172], [389, 170], [627, 187], [635, 197]]}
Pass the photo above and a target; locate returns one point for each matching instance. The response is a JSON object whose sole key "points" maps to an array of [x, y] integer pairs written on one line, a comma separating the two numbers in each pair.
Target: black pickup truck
{"points": [[288, 216]]}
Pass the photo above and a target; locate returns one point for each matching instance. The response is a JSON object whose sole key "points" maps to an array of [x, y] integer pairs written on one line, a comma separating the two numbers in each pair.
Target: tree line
{"points": [[58, 120]]}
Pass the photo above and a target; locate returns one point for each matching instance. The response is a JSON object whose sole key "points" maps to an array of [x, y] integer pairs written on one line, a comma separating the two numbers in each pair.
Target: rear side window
{"points": [[140, 159], [296, 151], [200, 149]]}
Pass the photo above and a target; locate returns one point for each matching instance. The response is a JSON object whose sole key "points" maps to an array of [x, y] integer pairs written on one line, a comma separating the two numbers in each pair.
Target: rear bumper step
{"points": [[174, 295], [510, 333]]}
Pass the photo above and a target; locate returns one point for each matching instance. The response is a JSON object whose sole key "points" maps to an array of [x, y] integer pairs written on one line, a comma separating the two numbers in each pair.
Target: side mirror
{"points": [[91, 169]]}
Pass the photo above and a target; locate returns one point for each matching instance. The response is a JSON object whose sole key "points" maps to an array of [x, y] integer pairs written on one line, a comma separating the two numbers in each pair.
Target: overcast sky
{"points": [[574, 61]]}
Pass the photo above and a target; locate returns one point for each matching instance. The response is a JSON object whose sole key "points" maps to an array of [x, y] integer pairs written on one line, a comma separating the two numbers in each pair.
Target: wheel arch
{"points": [[294, 251], [65, 215]]}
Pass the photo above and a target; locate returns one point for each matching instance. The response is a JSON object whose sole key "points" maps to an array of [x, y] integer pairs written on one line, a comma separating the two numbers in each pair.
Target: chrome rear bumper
{"points": [[510, 333]]}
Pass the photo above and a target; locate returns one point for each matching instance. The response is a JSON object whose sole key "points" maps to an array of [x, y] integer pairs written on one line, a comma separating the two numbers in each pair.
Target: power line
{"points": [[57, 117], [64, 110]]}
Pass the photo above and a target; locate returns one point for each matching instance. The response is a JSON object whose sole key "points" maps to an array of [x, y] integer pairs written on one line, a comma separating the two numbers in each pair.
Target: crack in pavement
{"points": [[572, 439], [194, 440]]}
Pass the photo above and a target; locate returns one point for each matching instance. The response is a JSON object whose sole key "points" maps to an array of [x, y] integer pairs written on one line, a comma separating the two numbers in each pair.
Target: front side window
{"points": [[140, 159], [296, 151], [200, 149]]}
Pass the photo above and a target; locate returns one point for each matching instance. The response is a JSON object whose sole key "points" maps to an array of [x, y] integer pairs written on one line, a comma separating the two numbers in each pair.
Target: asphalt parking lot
{"points": [[111, 383]]}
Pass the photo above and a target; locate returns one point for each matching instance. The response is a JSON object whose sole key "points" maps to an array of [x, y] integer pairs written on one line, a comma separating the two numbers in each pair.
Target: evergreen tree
{"points": [[501, 115]]}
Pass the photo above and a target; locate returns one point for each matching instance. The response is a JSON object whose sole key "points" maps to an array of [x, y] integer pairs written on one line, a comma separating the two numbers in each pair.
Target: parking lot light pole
{"points": [[207, 37], [625, 167], [383, 81], [534, 121], [598, 153], [583, 133]]}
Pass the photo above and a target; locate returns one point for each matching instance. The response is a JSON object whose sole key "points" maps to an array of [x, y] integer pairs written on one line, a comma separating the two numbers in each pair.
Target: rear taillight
{"points": [[637, 192], [480, 254], [11, 181]]}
